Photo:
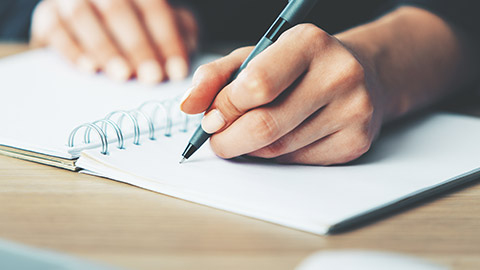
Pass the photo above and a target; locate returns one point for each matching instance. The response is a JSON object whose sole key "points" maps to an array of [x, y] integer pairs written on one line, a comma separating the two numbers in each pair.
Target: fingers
{"points": [[146, 38], [260, 83], [306, 99], [161, 22], [48, 28], [94, 38], [338, 148], [316, 127], [262, 126], [62, 41], [44, 19], [296, 122], [209, 79], [334, 117], [318, 111], [129, 35]]}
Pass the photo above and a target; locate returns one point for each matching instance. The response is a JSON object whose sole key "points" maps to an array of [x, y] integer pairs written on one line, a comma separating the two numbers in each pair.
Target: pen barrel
{"points": [[199, 137], [296, 10]]}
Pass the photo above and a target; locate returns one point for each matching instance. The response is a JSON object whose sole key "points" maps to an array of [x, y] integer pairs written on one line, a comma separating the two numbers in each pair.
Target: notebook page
{"points": [[404, 161], [43, 98]]}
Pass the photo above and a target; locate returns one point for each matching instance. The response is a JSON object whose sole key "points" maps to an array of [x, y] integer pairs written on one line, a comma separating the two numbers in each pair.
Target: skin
{"points": [[329, 104], [149, 39]]}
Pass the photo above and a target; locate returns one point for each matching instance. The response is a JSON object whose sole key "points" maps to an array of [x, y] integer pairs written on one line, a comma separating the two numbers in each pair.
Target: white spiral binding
{"points": [[148, 112]]}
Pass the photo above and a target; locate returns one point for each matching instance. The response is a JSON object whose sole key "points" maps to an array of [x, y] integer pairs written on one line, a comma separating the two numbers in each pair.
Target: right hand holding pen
{"points": [[305, 99], [146, 38]]}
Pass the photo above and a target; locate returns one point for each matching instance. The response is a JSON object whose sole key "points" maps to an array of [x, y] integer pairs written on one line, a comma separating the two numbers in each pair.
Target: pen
{"points": [[292, 14]]}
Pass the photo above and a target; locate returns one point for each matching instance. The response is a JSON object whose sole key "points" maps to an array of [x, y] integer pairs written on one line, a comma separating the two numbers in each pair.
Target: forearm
{"points": [[417, 57]]}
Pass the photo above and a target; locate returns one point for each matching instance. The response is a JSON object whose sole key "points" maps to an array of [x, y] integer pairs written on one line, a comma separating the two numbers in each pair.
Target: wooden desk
{"points": [[122, 225]]}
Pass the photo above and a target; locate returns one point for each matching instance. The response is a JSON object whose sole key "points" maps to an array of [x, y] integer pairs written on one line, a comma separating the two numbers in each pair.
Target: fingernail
{"points": [[177, 68], [185, 96], [86, 64], [213, 121], [150, 72], [118, 69]]}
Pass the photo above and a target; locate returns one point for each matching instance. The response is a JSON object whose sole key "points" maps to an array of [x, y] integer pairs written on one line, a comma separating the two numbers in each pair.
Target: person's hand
{"points": [[305, 99], [144, 38]]}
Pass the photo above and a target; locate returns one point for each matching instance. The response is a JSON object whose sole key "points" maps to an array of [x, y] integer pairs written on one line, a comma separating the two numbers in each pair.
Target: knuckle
{"points": [[259, 84], [354, 71], [224, 103], [351, 75], [362, 108], [353, 147], [313, 34], [362, 144], [265, 128], [359, 145], [275, 149]]}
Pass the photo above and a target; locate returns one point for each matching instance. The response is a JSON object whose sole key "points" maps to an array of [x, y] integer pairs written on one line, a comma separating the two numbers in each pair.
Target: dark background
{"points": [[248, 20], [241, 20]]}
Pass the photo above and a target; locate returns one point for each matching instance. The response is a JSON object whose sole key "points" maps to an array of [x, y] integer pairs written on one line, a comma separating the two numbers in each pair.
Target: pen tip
{"points": [[183, 160]]}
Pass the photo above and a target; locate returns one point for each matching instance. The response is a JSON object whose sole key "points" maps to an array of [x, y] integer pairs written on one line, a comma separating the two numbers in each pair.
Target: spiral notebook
{"points": [[43, 99], [135, 135]]}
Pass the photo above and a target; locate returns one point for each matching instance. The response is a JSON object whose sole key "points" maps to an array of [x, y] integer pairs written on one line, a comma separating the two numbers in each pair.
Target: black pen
{"points": [[292, 14]]}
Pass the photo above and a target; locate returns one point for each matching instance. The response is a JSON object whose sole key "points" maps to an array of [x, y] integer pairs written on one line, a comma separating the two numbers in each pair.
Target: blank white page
{"points": [[404, 161], [43, 98]]}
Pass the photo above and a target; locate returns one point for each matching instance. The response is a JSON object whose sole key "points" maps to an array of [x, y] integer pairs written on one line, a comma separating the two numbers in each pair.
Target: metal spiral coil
{"points": [[147, 113]]}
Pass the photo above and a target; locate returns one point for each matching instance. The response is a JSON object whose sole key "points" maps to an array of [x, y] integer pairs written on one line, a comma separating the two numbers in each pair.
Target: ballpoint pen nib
{"points": [[183, 160]]}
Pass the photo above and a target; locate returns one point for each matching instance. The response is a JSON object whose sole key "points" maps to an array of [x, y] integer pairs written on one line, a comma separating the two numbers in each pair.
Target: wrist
{"points": [[403, 51]]}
